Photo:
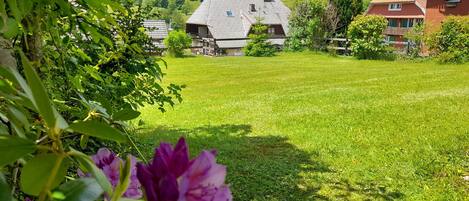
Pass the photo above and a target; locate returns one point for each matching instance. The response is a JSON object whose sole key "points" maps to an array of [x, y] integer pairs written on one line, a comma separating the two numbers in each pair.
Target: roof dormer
{"points": [[252, 7]]}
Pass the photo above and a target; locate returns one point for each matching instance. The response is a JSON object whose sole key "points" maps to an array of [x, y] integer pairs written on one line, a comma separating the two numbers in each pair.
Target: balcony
{"points": [[400, 31]]}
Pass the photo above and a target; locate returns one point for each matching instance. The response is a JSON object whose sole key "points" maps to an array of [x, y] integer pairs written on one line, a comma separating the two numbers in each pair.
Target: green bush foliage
{"points": [[347, 10], [258, 45], [101, 55], [367, 39], [451, 43], [415, 37], [87, 63], [307, 27], [177, 42]]}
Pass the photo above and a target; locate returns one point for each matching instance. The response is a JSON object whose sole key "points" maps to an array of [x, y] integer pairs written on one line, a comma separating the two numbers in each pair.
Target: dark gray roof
{"points": [[213, 13], [156, 29]]}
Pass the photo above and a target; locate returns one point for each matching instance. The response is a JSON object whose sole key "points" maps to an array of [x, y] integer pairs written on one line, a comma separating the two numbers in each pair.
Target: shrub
{"points": [[415, 37], [348, 9], [451, 43], [258, 45], [177, 42], [307, 26], [367, 39]]}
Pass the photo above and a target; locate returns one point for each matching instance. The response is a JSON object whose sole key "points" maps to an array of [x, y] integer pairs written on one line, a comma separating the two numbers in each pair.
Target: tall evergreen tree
{"points": [[347, 10]]}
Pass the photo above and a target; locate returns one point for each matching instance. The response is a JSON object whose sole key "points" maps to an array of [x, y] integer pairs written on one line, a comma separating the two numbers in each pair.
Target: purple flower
{"points": [[204, 180], [159, 178], [109, 163], [171, 176]]}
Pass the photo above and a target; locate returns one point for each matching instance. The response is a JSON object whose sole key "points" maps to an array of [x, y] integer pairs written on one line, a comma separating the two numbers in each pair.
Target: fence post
{"points": [[346, 46]]}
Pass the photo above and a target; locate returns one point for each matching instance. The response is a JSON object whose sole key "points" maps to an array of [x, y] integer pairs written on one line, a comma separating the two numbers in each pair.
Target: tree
{"points": [[177, 42], [307, 26], [415, 38], [347, 10], [367, 39], [331, 18], [451, 43], [258, 45]]}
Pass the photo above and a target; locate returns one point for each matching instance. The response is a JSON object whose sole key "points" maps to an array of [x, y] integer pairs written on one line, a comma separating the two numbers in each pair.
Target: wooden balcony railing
{"points": [[396, 30]]}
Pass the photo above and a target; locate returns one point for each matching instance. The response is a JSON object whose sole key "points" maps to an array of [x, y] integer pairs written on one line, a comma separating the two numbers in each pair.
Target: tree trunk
{"points": [[32, 44]]}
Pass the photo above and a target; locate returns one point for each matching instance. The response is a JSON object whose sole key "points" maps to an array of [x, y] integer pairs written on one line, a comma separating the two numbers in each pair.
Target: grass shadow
{"points": [[260, 167]]}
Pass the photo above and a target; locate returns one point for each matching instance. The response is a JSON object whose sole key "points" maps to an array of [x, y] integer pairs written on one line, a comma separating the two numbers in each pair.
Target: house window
{"points": [[452, 3], [395, 7], [271, 31], [392, 22], [252, 7], [419, 21], [407, 23], [229, 13], [391, 38]]}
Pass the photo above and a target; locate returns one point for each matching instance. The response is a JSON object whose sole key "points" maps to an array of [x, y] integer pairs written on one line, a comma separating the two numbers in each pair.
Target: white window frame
{"points": [[395, 7], [271, 30]]}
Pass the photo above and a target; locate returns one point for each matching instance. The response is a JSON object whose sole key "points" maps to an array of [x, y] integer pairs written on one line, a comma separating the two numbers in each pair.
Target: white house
{"points": [[222, 26]]}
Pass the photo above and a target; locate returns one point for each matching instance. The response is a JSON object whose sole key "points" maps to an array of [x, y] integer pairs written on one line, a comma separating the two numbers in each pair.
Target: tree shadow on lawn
{"points": [[259, 167]]}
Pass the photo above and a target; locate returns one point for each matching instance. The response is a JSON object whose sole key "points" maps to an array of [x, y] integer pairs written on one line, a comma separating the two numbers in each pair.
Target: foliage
{"points": [[173, 12], [307, 26], [40, 143], [415, 37], [347, 10], [354, 135], [45, 157], [258, 46], [366, 36], [451, 43], [177, 42], [97, 55], [88, 68]]}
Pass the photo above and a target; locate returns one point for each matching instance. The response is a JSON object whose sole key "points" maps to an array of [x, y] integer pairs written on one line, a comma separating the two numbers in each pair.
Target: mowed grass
{"points": [[304, 126]]}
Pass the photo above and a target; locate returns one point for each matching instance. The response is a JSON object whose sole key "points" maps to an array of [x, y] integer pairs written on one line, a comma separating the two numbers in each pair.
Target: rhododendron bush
{"points": [[170, 176], [40, 166], [73, 73]]}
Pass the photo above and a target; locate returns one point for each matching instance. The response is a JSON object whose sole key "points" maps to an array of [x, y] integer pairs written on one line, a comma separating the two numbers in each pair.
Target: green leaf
{"points": [[93, 72], [10, 29], [13, 76], [6, 74], [26, 7], [76, 81], [84, 141], [5, 193], [19, 115], [12, 148], [38, 171], [125, 114], [3, 129], [88, 166], [6, 87], [99, 130], [84, 189], [3, 12], [41, 99], [12, 5]]}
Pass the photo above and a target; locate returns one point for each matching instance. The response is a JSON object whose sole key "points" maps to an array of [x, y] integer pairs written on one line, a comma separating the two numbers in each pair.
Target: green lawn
{"points": [[306, 126]]}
